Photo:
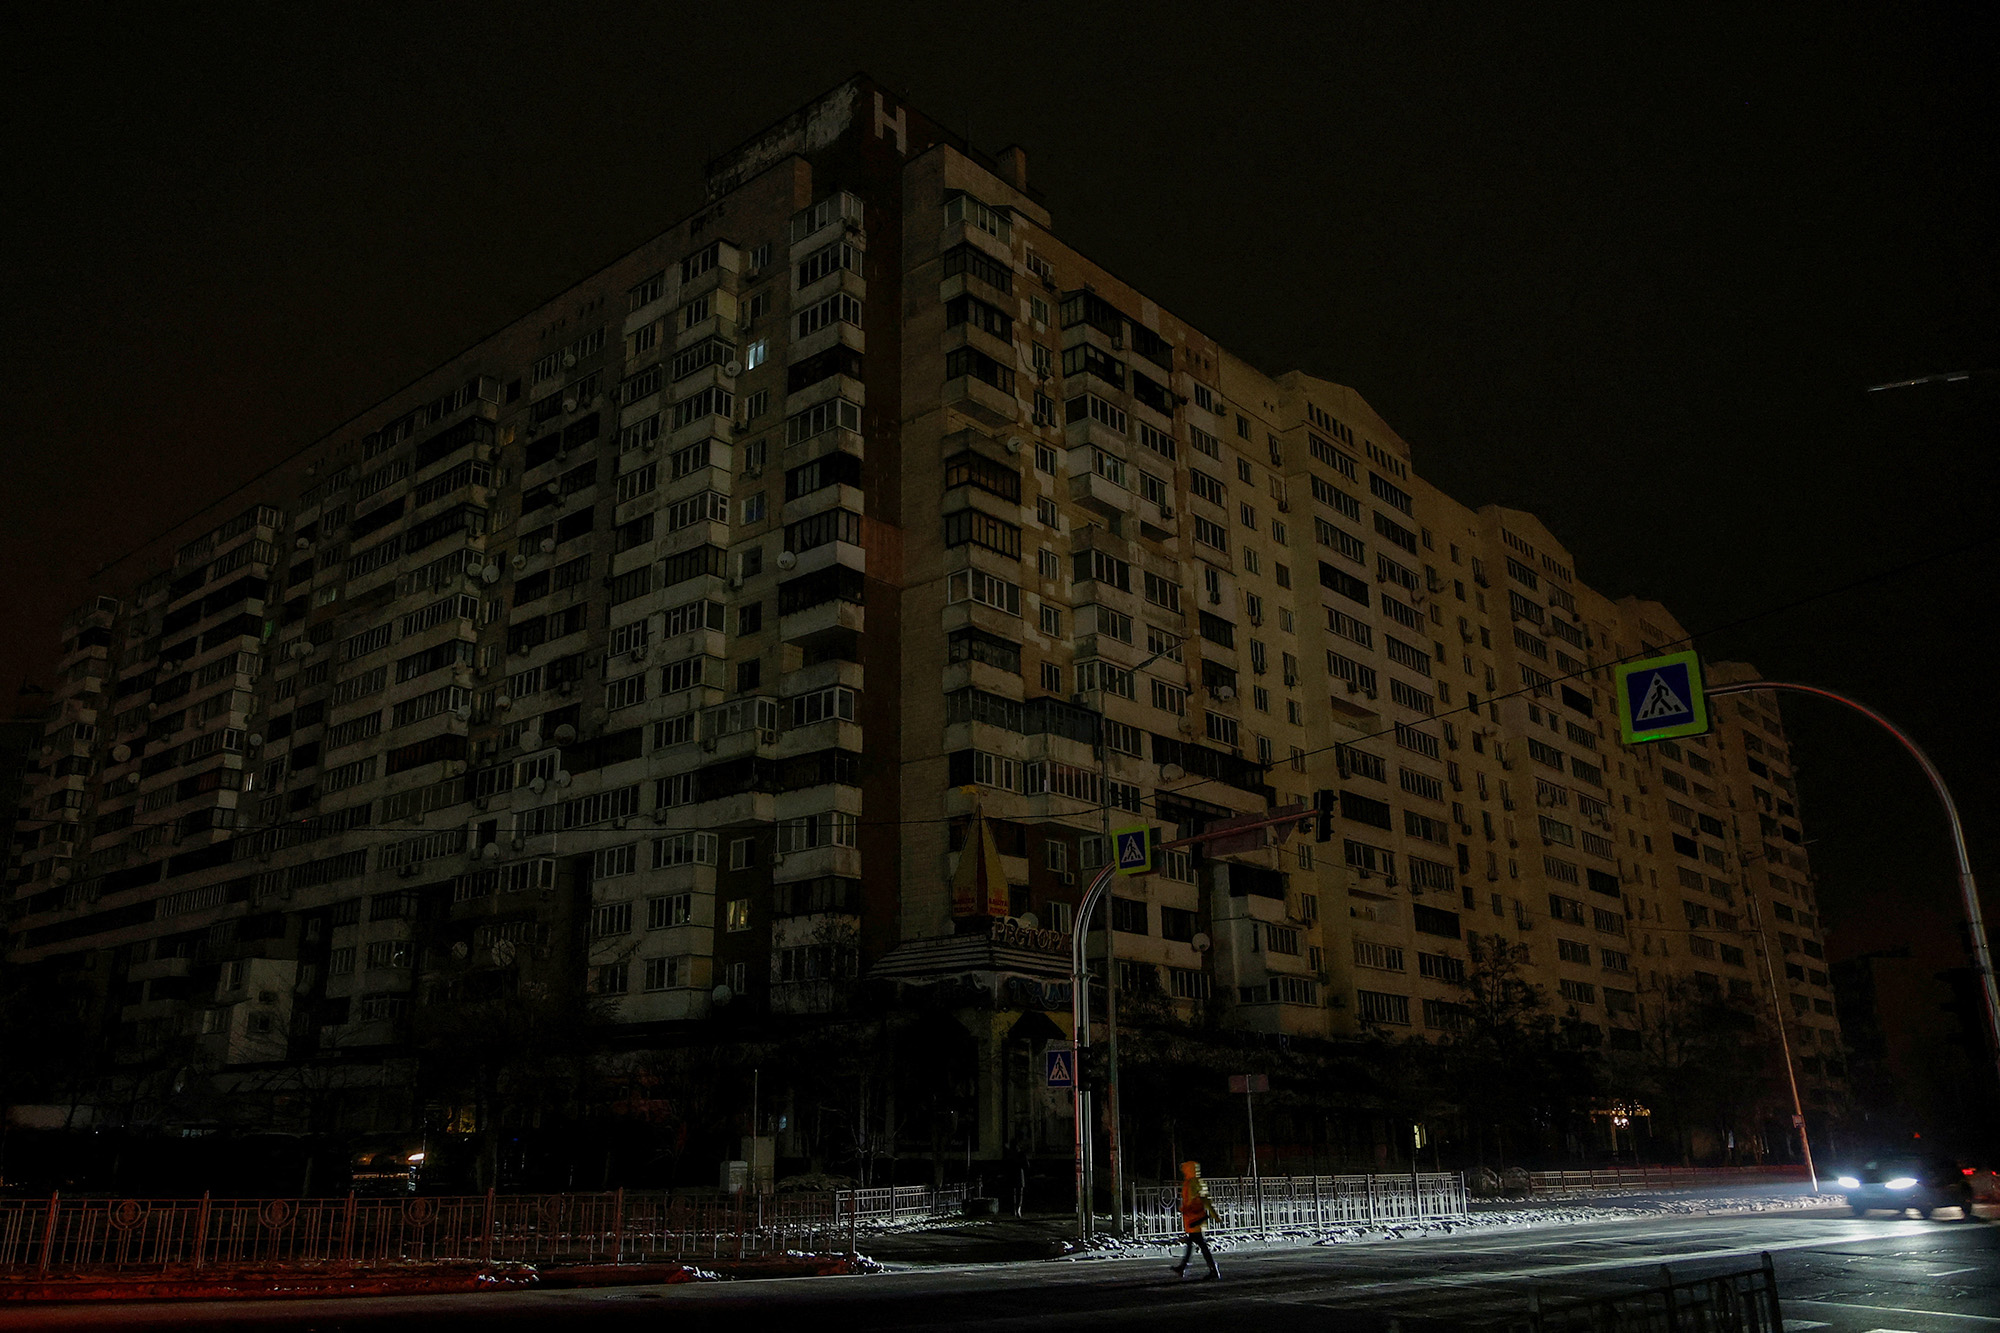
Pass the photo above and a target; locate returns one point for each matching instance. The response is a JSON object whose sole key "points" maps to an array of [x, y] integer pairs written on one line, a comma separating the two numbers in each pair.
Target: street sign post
{"points": [[1660, 698], [1060, 1067], [1247, 1084], [1135, 850]]}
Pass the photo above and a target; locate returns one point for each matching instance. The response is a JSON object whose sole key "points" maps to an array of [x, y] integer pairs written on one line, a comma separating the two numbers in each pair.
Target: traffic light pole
{"points": [[1079, 992], [1982, 955]]}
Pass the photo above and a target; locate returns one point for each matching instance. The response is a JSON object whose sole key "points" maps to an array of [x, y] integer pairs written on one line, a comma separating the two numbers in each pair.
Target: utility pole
{"points": [[1982, 954], [1784, 1038]]}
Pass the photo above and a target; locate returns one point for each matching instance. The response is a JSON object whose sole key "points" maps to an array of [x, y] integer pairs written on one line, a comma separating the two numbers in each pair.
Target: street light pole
{"points": [[1079, 993], [1982, 956], [1114, 1136]]}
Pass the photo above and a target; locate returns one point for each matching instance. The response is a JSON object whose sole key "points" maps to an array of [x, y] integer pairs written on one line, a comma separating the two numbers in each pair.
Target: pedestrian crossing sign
{"points": [[1660, 697], [1061, 1067], [1135, 850]]}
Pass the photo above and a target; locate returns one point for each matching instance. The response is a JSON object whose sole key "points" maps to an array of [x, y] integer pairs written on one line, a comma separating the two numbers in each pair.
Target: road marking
{"points": [[1814, 1323], [1970, 1268], [1894, 1309]]}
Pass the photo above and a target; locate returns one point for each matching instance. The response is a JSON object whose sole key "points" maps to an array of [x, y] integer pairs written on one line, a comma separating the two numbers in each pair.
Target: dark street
{"points": [[1834, 1272]]}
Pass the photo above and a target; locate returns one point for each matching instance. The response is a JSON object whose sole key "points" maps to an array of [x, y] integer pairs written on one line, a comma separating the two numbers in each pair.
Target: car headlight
{"points": [[1848, 1183], [1902, 1182]]}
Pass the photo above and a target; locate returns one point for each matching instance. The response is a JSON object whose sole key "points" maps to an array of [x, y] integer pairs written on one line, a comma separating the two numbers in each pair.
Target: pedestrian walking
{"points": [[1016, 1169], [1197, 1208]]}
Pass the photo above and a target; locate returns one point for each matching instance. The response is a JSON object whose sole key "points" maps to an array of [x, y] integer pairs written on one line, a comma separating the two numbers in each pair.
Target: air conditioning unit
{"points": [[767, 735], [1166, 511], [1065, 876], [709, 742], [480, 803]]}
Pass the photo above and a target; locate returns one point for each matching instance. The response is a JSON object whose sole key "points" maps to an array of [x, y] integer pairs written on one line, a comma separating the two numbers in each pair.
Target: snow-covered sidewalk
{"points": [[1556, 1214]]}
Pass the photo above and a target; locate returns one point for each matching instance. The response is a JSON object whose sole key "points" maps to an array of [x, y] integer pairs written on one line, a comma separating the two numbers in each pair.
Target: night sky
{"points": [[1631, 273]]}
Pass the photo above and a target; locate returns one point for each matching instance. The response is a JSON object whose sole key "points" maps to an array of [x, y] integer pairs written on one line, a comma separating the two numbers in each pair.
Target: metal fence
{"points": [[1743, 1302], [1660, 1177], [64, 1235], [1274, 1202]]}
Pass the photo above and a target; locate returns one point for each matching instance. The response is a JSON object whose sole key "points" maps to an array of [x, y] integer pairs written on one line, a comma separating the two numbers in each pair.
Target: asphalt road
{"points": [[1846, 1275]]}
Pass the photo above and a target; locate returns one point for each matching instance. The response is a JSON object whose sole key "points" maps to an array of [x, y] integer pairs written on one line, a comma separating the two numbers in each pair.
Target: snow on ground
{"points": [[1521, 1218]]}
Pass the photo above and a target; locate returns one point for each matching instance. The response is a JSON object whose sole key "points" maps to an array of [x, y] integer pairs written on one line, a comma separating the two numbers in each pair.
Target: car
{"points": [[1899, 1183]]}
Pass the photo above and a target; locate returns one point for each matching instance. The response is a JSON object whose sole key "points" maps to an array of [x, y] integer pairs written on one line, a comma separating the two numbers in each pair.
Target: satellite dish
{"points": [[462, 712], [1225, 692], [722, 995], [255, 739], [732, 368], [519, 842], [133, 778], [538, 786], [562, 778], [1029, 920], [490, 574], [460, 949], [1172, 772], [121, 752], [491, 851], [1013, 444], [503, 952], [520, 560], [565, 734], [548, 544], [569, 358], [504, 701], [531, 740], [787, 559], [569, 404], [303, 543], [1201, 942]]}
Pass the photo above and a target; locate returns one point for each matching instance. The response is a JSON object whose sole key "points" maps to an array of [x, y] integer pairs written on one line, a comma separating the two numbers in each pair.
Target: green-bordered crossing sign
{"points": [[1660, 698]]}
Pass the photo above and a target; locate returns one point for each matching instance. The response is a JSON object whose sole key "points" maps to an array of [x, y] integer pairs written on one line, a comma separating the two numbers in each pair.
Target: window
{"points": [[611, 862], [610, 920], [972, 585], [1376, 1007], [972, 527], [736, 915], [1441, 967], [1051, 620]]}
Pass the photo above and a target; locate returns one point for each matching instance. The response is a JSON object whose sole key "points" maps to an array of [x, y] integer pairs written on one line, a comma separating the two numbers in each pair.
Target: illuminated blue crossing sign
{"points": [[1660, 698]]}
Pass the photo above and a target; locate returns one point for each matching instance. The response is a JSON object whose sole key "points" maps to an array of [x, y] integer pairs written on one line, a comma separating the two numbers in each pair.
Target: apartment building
{"points": [[795, 606]]}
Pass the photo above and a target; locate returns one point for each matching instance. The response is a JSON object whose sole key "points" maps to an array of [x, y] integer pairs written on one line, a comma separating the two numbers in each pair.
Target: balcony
{"points": [[827, 617], [1100, 493], [982, 401], [750, 807]]}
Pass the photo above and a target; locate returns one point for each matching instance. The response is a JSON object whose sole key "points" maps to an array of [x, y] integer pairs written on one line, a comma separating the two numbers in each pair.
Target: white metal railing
{"points": [[1276, 1202], [1654, 1177], [56, 1234]]}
